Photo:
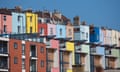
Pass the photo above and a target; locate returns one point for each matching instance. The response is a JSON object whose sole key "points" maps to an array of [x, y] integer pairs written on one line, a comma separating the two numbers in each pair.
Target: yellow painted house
{"points": [[70, 47], [31, 22]]}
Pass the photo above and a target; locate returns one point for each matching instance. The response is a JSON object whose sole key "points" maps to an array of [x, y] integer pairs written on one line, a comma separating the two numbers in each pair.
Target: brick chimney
{"points": [[18, 8], [76, 20]]}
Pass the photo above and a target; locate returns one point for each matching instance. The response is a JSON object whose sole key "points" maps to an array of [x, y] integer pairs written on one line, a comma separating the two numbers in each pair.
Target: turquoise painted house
{"points": [[18, 22]]}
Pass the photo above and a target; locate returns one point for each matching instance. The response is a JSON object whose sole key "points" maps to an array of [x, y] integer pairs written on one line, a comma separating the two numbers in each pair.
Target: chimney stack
{"points": [[76, 20], [69, 22], [91, 28], [83, 23], [18, 8]]}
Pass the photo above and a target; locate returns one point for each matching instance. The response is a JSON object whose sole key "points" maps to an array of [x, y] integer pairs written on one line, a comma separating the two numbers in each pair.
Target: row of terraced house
{"points": [[43, 41]]}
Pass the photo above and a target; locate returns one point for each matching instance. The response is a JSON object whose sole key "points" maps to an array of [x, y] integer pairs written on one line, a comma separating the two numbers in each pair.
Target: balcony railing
{"points": [[108, 52], [3, 51], [62, 45], [64, 70], [33, 54], [93, 50], [78, 48], [49, 69], [3, 65], [48, 44]]}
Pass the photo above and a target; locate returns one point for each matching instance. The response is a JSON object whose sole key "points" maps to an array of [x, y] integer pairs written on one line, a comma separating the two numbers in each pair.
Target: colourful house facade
{"points": [[42, 29], [116, 52], [82, 51], [51, 29], [31, 22], [71, 56], [70, 31], [110, 58], [18, 22], [5, 21], [60, 31], [53, 56], [97, 56]]}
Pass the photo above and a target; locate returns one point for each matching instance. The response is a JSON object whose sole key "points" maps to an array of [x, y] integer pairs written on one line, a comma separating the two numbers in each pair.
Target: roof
{"points": [[43, 14], [5, 11], [46, 14]]}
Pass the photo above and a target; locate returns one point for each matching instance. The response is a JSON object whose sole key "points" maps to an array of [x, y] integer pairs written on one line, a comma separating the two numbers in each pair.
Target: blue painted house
{"points": [[60, 31], [97, 56]]}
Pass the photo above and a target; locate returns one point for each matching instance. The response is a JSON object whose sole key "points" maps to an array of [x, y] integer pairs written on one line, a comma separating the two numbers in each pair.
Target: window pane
{"points": [[42, 63], [18, 29], [60, 31], [5, 28], [51, 31], [4, 18], [23, 63], [18, 18], [86, 35], [15, 60], [77, 58], [23, 49], [15, 45], [41, 30], [42, 50], [30, 18], [30, 29]]}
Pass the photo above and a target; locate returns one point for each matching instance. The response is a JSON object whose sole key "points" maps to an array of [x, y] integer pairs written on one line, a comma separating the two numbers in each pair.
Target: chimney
{"points": [[92, 28], [51, 14], [18, 8], [103, 28], [83, 23], [57, 14], [69, 23], [76, 20]]}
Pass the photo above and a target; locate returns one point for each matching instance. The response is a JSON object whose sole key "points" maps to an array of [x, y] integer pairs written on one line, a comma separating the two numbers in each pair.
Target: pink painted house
{"points": [[5, 21], [53, 55], [51, 29]]}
